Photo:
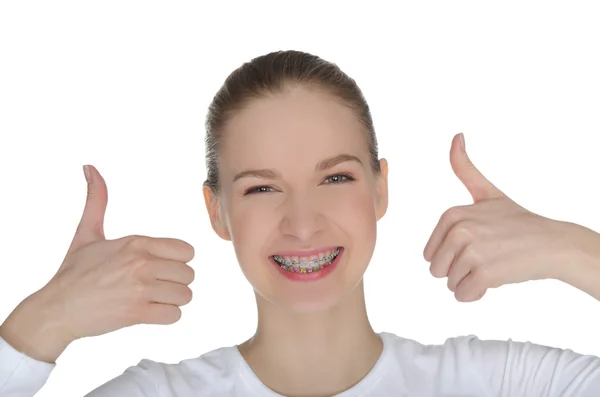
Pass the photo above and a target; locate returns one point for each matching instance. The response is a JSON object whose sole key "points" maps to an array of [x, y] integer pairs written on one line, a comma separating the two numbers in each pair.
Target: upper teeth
{"points": [[306, 261]]}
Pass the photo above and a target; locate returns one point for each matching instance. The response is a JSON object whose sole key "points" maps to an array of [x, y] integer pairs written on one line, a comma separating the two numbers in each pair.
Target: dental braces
{"points": [[304, 262]]}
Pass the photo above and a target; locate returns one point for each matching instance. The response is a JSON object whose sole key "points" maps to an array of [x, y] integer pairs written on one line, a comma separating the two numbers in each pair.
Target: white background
{"points": [[124, 85]]}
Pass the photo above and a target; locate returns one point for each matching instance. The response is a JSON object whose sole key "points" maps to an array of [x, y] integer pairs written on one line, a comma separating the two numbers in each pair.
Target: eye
{"points": [[258, 189], [339, 178]]}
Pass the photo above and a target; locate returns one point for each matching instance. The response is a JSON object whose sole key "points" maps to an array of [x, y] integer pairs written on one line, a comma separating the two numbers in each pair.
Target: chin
{"points": [[319, 297], [310, 304]]}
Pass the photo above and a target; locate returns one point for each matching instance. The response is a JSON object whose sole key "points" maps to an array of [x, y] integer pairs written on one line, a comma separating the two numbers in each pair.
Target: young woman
{"points": [[295, 183]]}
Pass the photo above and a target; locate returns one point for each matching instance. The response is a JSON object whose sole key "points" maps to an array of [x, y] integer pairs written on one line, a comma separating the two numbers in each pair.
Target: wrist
{"points": [[35, 330], [582, 266]]}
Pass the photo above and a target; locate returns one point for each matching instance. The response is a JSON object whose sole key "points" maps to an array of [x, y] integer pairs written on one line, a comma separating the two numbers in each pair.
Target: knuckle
{"points": [[460, 233], [467, 226], [472, 255], [468, 255], [453, 214], [483, 276], [138, 266], [139, 292], [135, 241]]}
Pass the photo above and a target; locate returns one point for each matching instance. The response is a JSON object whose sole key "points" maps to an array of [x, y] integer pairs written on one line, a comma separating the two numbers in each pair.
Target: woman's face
{"points": [[297, 184]]}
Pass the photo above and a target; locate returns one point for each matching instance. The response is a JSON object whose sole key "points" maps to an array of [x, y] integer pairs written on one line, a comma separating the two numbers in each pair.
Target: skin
{"points": [[495, 241], [334, 344]]}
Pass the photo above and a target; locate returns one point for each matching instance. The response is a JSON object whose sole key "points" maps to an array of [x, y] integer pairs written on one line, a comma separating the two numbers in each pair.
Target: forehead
{"points": [[299, 127]]}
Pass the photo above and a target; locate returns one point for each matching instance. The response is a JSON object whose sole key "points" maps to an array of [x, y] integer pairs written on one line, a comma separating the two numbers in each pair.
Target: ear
{"points": [[381, 185], [211, 200]]}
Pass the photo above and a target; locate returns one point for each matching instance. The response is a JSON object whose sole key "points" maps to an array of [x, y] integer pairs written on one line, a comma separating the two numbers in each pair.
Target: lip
{"points": [[316, 251], [318, 275]]}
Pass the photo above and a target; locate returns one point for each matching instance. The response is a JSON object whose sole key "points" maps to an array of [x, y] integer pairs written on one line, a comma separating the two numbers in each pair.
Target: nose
{"points": [[302, 218]]}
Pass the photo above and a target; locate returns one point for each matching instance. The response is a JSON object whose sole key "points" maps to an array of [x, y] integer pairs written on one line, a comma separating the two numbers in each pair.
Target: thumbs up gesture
{"points": [[494, 241], [103, 285]]}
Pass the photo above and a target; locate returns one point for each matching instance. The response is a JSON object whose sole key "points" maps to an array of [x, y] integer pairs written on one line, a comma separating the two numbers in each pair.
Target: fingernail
{"points": [[462, 141], [86, 172]]}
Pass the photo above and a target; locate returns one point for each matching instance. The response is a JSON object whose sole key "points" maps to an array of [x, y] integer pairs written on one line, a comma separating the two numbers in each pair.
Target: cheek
{"points": [[250, 224], [353, 210]]}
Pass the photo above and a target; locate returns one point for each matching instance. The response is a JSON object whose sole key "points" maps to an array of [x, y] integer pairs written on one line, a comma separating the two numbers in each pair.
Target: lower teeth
{"points": [[295, 269]]}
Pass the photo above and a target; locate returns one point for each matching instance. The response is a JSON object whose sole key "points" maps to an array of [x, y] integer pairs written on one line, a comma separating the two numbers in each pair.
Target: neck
{"points": [[334, 349]]}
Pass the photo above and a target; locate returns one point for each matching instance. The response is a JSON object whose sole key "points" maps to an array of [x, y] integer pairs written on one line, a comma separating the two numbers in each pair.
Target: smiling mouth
{"points": [[310, 264]]}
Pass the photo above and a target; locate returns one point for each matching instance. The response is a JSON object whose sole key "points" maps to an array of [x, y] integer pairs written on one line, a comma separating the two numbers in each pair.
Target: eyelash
{"points": [[348, 178]]}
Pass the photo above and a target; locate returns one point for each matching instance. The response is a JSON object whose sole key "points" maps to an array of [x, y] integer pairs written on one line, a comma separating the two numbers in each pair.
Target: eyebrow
{"points": [[270, 173]]}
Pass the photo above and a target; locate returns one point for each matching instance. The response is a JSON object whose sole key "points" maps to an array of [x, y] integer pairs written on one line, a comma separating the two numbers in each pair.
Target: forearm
{"points": [[582, 267], [33, 330]]}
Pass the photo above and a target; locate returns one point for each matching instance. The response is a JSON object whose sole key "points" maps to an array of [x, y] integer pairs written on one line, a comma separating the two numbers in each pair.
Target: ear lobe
{"points": [[382, 189], [214, 213]]}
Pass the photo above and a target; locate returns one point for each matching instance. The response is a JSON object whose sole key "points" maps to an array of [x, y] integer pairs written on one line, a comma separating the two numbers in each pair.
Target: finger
{"points": [[169, 293], [442, 260], [471, 288], [172, 271], [159, 313], [478, 186], [161, 247], [448, 219], [91, 225], [457, 238], [459, 269]]}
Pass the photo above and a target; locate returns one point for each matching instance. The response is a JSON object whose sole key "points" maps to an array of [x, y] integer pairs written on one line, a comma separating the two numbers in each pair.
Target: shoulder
{"points": [[455, 358], [218, 366], [215, 363], [216, 370], [489, 354], [434, 369], [466, 347], [523, 368], [474, 349]]}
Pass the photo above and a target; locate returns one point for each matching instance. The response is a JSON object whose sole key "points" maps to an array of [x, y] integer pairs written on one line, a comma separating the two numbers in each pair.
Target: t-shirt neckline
{"points": [[363, 386]]}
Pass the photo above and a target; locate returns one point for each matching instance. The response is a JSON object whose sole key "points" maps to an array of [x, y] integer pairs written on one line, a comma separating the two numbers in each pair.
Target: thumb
{"points": [[478, 185], [91, 226]]}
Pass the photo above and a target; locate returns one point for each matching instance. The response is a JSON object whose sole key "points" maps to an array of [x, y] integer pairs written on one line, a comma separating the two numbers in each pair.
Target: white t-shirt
{"points": [[463, 366]]}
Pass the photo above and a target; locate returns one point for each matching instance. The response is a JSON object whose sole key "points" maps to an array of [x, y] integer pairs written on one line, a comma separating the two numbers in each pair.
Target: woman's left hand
{"points": [[495, 241]]}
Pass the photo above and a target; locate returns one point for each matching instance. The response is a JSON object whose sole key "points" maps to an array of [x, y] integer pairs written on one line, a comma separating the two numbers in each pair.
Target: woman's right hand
{"points": [[102, 285]]}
